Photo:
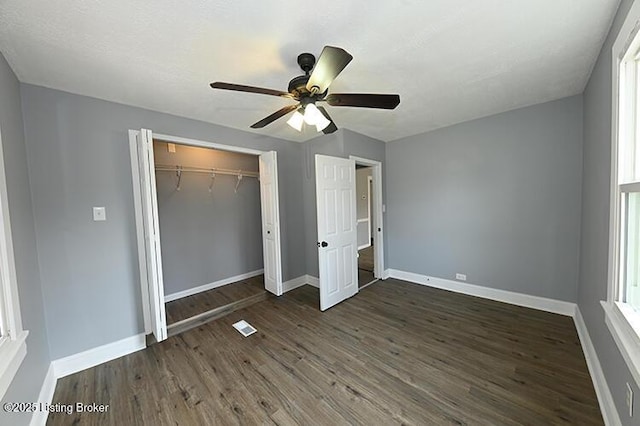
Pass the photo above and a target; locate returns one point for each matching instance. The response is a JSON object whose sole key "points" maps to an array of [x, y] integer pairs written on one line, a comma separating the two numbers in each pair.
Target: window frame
{"points": [[622, 320], [13, 345]]}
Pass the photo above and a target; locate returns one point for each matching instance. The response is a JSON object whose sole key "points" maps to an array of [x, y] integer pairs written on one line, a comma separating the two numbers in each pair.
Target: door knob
{"points": [[323, 244]]}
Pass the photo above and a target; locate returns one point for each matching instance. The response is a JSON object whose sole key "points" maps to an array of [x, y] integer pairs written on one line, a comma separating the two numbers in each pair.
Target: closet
{"points": [[210, 227], [207, 228]]}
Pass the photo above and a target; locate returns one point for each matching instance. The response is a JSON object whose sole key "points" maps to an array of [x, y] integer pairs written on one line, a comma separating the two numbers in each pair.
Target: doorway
{"points": [[371, 259], [338, 240], [174, 177], [364, 212]]}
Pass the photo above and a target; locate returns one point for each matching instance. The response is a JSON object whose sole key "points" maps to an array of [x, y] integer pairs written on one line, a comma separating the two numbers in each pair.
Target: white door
{"points": [[151, 234], [270, 222], [337, 229]]}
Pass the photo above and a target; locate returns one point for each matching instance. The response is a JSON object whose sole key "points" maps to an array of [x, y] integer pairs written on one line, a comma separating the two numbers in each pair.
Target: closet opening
{"points": [[207, 228], [210, 227]]}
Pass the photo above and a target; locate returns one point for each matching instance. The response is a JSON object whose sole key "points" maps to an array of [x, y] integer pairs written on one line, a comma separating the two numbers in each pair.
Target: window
{"points": [[13, 346], [622, 307]]}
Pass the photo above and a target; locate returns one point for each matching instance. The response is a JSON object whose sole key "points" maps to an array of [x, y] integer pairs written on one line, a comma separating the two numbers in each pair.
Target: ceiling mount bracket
{"points": [[306, 62]]}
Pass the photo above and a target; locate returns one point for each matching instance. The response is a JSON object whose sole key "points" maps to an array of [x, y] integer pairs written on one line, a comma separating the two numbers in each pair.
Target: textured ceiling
{"points": [[450, 61]]}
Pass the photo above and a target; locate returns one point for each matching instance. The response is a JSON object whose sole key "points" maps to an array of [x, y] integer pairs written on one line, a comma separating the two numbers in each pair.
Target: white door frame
{"points": [[376, 215], [138, 207]]}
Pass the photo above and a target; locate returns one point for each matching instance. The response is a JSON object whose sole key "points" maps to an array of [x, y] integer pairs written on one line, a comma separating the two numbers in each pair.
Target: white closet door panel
{"points": [[152, 235], [270, 222]]}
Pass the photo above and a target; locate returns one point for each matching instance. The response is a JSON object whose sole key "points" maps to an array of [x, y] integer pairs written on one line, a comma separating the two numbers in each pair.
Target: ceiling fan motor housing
{"points": [[298, 86]]}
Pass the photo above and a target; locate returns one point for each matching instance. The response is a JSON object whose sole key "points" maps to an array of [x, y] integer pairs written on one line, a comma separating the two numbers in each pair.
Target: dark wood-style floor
{"points": [[365, 266], [191, 306], [396, 353], [365, 259]]}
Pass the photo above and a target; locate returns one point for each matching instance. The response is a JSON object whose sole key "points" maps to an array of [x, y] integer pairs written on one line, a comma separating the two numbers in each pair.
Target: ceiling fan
{"points": [[313, 87]]}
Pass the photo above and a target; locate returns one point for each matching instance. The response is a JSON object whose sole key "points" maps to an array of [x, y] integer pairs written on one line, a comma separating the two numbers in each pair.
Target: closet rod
{"points": [[163, 168]]}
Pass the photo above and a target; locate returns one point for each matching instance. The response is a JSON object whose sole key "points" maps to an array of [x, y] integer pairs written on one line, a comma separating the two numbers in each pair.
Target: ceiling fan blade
{"points": [[331, 62], [331, 127], [363, 100], [250, 89], [273, 117]]}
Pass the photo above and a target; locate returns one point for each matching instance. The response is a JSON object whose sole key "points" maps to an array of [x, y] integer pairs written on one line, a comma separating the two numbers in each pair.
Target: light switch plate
{"points": [[99, 214]]}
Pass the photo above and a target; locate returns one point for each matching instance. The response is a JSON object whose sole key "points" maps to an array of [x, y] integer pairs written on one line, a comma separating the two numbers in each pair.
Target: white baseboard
{"points": [[535, 302], [210, 286], [299, 282], [605, 399], [39, 417], [81, 361], [386, 274], [313, 281], [294, 283]]}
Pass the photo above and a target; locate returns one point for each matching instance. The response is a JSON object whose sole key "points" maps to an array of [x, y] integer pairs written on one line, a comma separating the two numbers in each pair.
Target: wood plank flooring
{"points": [[191, 306], [364, 277], [396, 353], [365, 259]]}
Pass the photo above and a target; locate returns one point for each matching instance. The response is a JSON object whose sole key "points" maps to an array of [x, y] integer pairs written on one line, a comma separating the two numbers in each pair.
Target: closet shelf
{"points": [[167, 168]]}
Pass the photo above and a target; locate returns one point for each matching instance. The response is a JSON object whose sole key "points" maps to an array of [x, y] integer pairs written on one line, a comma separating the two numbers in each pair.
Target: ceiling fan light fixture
{"points": [[312, 115], [296, 121], [313, 87], [322, 123]]}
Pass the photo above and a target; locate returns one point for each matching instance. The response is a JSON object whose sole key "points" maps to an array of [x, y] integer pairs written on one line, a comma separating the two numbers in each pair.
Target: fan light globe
{"points": [[296, 121], [312, 115], [322, 123]]}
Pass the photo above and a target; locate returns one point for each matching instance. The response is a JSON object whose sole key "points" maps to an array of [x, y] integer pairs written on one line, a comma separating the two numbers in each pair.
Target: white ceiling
{"points": [[450, 61]]}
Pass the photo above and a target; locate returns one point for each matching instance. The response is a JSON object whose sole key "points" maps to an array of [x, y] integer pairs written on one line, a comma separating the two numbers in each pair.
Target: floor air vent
{"points": [[244, 328]]}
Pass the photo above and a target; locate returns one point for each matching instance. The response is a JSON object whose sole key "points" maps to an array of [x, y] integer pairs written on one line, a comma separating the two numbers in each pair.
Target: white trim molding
{"points": [[535, 302], [12, 353], [13, 345], [623, 330], [605, 399], [621, 320], [299, 282], [294, 283], [63, 367], [313, 281], [377, 215], [195, 290], [39, 417]]}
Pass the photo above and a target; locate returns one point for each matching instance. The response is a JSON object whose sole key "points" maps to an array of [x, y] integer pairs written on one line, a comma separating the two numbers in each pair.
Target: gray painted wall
{"points": [[342, 143], [595, 221], [28, 381], [497, 199], [78, 155], [207, 236]]}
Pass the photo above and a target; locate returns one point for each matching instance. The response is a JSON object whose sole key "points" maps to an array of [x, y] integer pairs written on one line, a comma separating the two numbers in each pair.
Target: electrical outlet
{"points": [[630, 400], [461, 277], [99, 214]]}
